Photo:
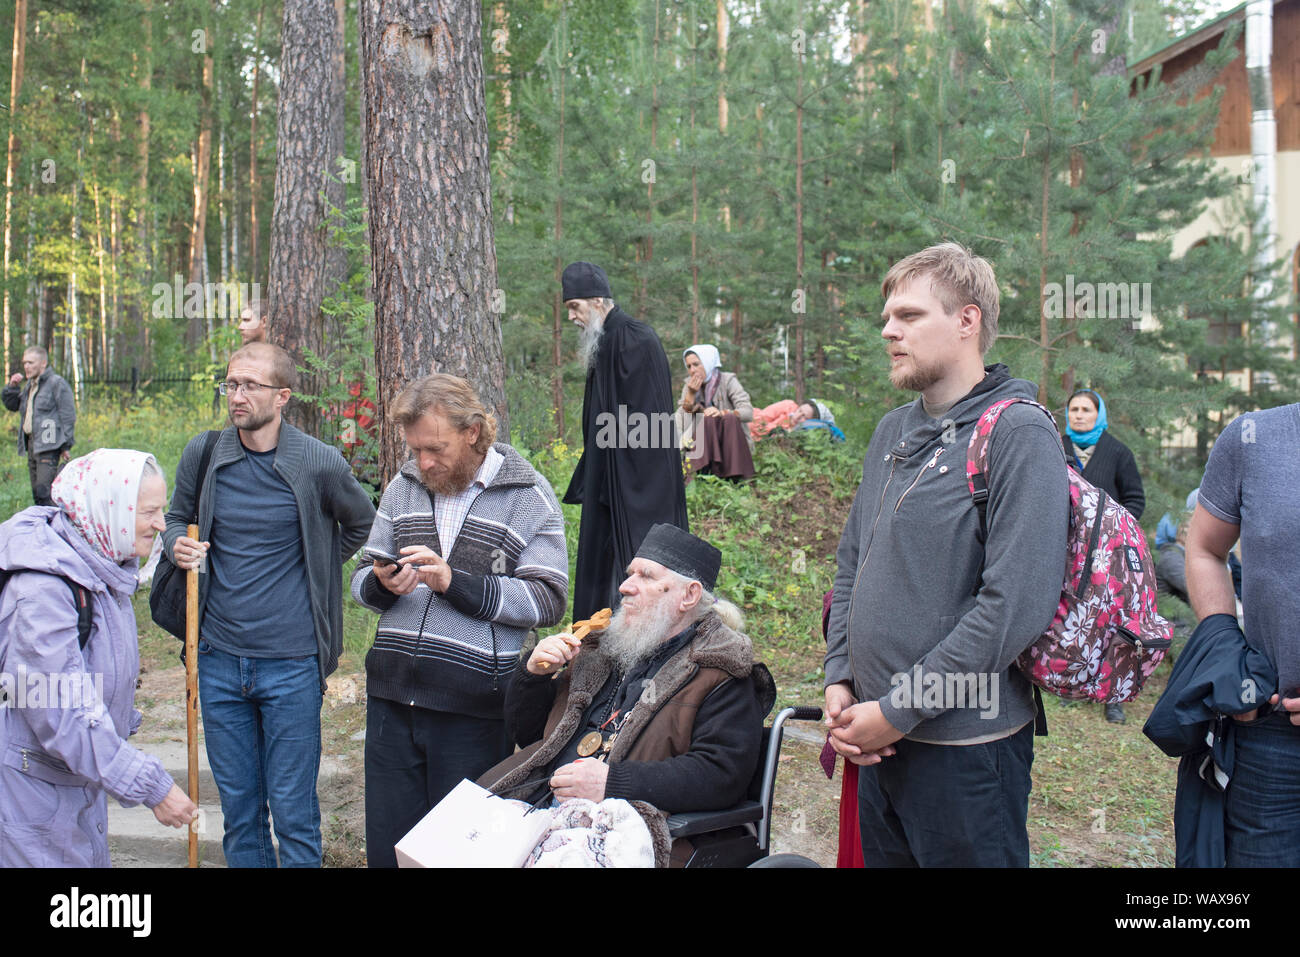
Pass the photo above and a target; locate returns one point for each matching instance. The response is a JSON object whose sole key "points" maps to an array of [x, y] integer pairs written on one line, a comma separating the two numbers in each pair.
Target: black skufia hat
{"points": [[682, 553], [584, 281]]}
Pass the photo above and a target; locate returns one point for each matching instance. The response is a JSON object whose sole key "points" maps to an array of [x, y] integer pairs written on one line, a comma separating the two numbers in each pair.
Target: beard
{"points": [[915, 378], [456, 479], [252, 420], [589, 338], [628, 643]]}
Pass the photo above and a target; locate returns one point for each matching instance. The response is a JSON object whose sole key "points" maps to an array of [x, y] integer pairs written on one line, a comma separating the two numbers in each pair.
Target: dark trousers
{"points": [[414, 757], [42, 468], [934, 805]]}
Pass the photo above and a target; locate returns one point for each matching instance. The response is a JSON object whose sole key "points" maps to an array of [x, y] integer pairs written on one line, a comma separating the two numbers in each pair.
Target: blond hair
{"points": [[453, 397], [957, 278], [282, 368]]}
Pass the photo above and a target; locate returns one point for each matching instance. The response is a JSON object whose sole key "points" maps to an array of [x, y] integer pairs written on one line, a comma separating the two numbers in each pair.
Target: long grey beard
{"points": [[589, 343], [626, 645]]}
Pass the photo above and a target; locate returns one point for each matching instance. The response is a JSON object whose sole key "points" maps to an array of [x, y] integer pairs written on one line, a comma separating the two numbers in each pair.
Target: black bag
{"points": [[167, 594]]}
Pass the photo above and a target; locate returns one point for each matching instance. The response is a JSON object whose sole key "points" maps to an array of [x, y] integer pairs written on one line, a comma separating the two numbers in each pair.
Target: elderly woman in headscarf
{"points": [[710, 391], [63, 732]]}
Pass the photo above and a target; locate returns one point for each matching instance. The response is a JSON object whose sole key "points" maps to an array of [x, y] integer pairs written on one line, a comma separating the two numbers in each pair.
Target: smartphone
{"points": [[381, 557]]}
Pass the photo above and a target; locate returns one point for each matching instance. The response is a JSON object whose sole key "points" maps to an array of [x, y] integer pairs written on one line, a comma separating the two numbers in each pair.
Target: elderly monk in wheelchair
{"points": [[663, 708]]}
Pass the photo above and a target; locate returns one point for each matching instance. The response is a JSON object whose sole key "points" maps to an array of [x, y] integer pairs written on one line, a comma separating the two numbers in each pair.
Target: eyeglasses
{"points": [[250, 388]]}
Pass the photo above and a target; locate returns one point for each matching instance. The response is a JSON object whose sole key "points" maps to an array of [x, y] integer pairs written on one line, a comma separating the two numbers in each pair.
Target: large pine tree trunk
{"points": [[336, 256], [254, 238], [304, 135], [11, 166], [429, 188]]}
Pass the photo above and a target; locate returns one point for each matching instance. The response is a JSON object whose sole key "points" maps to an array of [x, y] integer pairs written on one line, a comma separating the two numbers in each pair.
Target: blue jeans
{"points": [[1261, 812], [261, 720], [937, 805]]}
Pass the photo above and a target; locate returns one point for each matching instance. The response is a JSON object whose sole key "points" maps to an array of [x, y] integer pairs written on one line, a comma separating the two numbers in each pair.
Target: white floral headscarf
{"points": [[98, 492]]}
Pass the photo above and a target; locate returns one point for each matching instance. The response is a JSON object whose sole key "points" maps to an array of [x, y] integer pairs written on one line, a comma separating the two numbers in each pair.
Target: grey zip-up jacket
{"points": [[906, 617], [334, 517], [54, 419]]}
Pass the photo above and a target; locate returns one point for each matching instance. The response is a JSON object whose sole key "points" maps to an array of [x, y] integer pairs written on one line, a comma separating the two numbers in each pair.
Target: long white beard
{"points": [[589, 342], [626, 644]]}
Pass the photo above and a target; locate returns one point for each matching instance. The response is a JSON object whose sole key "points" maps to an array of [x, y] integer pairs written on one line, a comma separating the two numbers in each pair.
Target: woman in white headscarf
{"points": [[63, 732], [709, 391]]}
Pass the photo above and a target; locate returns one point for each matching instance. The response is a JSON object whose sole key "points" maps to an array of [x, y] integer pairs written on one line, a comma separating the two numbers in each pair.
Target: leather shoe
{"points": [[1115, 714]]}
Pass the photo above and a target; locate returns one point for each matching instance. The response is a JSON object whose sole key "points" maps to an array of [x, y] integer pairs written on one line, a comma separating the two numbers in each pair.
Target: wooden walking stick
{"points": [[192, 689]]}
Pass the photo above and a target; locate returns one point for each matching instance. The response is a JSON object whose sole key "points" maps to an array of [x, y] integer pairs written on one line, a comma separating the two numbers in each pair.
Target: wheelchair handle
{"points": [[769, 768], [805, 714]]}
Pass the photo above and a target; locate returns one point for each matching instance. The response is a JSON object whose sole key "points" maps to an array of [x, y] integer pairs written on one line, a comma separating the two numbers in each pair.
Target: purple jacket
{"points": [[60, 754]]}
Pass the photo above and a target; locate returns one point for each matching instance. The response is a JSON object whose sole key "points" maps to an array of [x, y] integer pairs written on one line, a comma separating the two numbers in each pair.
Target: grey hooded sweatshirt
{"points": [[907, 626]]}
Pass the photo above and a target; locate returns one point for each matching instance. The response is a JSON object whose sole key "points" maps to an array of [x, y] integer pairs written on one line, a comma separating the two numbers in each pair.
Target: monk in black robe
{"points": [[630, 475]]}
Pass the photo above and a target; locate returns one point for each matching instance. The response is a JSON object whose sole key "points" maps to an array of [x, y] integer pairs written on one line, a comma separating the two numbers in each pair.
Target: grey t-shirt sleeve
{"points": [[1221, 486]]}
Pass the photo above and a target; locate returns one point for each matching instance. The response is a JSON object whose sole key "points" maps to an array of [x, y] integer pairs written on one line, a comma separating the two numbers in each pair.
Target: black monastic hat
{"points": [[683, 553], [584, 281]]}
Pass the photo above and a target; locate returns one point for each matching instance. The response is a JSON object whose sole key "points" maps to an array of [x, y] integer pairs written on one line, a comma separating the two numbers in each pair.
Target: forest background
{"points": [[744, 171]]}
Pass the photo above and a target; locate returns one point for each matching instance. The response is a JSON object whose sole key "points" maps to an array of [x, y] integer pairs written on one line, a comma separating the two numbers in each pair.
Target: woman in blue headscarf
{"points": [[1103, 460]]}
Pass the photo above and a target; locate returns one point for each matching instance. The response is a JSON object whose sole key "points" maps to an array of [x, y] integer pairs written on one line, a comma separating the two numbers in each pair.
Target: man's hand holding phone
{"points": [[429, 566], [395, 577]]}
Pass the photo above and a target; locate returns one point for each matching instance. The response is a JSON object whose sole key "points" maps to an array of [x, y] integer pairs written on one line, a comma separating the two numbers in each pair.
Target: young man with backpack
{"points": [[922, 686]]}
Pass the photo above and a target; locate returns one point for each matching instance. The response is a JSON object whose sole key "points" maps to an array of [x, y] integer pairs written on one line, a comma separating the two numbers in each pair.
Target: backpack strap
{"points": [[85, 611], [209, 443], [977, 455], [977, 480], [977, 467]]}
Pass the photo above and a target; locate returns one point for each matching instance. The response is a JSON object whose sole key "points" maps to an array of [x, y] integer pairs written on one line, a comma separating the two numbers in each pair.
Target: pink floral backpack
{"points": [[1106, 638]]}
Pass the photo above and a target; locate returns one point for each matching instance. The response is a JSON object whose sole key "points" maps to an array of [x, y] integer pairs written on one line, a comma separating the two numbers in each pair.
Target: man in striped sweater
{"points": [[477, 557]]}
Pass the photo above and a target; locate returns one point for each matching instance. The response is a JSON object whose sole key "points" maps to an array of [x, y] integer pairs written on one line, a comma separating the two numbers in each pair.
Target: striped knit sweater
{"points": [[454, 652]]}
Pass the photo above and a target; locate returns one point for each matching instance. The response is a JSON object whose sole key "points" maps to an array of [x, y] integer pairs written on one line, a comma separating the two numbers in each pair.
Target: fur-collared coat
{"points": [[690, 744]]}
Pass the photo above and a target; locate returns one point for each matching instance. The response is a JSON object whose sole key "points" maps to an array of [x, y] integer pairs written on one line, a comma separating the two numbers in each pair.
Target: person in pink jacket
{"points": [[68, 710]]}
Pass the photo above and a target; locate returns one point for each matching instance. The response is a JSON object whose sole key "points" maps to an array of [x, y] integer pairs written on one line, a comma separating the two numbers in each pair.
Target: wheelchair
{"points": [[739, 836]]}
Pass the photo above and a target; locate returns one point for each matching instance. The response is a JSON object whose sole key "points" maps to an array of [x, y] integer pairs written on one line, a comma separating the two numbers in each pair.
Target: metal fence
{"points": [[195, 386]]}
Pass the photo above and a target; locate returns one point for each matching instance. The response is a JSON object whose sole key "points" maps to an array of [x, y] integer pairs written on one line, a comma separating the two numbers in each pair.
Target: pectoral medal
{"points": [[591, 743]]}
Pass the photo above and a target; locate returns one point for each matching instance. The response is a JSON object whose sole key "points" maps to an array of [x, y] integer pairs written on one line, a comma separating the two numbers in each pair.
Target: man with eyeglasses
{"points": [[279, 513]]}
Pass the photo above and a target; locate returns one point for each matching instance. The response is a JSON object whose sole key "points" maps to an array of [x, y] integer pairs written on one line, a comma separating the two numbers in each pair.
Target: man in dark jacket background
{"points": [[47, 418], [630, 475], [922, 689]]}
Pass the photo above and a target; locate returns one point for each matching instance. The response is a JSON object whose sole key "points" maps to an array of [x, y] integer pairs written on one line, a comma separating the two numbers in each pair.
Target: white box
{"points": [[471, 827]]}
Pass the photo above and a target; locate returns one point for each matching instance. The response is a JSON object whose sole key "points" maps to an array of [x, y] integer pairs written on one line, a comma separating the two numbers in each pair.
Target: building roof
{"points": [[1202, 34]]}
